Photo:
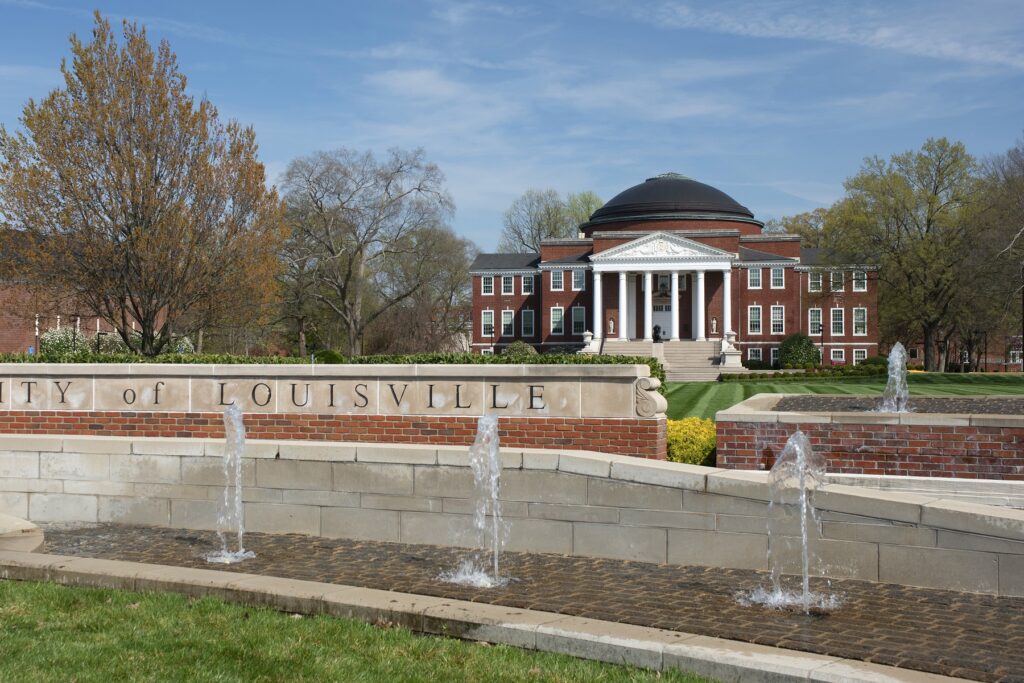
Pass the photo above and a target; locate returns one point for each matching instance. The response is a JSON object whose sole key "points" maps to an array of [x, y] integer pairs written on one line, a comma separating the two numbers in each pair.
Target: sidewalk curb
{"points": [[656, 649]]}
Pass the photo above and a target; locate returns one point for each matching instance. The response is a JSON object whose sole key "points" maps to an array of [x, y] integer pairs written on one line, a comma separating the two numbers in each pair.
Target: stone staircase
{"points": [[684, 361]]}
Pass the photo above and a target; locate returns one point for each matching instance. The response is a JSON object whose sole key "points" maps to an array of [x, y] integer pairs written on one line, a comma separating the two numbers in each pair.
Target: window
{"points": [[778, 278], [753, 320], [527, 322], [859, 356], [508, 323], [527, 284], [814, 322], [913, 353], [860, 283], [1015, 355], [487, 323], [579, 320], [753, 354], [754, 278], [813, 282], [556, 281], [508, 285], [487, 285], [837, 284], [838, 356], [775, 355], [486, 352], [778, 319], [860, 322], [579, 280], [557, 322], [837, 322], [664, 284]]}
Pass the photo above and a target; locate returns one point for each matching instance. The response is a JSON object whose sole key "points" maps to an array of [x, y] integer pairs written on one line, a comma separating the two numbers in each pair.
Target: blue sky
{"points": [[774, 102]]}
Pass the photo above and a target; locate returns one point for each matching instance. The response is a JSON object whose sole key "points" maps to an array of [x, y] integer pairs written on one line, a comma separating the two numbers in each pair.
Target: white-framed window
{"points": [[557, 285], [860, 322], [579, 280], [859, 356], [661, 308], [838, 322], [814, 281], [579, 320], [487, 323], [753, 354], [778, 319], [754, 278], [860, 282], [837, 281], [838, 355], [526, 318], [508, 285], [486, 352], [753, 320], [1014, 355], [557, 320], [814, 322], [775, 355], [778, 280], [508, 323], [487, 285], [527, 284]]}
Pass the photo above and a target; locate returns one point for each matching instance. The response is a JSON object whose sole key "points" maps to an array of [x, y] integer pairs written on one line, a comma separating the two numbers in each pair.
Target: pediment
{"points": [[660, 246]]}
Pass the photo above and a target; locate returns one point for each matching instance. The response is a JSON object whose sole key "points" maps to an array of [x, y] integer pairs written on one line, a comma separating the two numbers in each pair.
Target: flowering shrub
{"points": [[691, 440], [60, 341]]}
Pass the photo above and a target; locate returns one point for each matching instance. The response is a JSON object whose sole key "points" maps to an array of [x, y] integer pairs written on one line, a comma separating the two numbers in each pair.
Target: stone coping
{"points": [[929, 509], [326, 371], [19, 534], [586, 638], [760, 408]]}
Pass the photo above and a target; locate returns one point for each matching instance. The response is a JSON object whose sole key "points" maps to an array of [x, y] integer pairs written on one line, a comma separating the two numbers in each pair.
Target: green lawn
{"points": [[704, 399], [57, 633]]}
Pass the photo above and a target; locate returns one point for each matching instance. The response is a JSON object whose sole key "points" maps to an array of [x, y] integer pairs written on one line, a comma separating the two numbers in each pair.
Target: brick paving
{"points": [[956, 634]]}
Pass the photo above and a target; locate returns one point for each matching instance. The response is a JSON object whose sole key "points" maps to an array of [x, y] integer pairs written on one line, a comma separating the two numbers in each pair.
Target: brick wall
{"points": [[965, 451], [639, 437]]}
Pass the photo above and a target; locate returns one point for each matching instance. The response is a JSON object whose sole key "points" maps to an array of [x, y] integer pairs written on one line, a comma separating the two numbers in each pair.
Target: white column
{"points": [[726, 303], [623, 313], [598, 307], [648, 307], [699, 333], [675, 305]]}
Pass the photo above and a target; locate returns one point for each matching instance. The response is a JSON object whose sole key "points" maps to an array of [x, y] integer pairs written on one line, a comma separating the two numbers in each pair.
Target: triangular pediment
{"points": [[660, 246]]}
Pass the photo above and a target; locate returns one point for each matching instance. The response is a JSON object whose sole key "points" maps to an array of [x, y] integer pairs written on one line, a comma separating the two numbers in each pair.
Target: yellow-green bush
{"points": [[691, 440]]}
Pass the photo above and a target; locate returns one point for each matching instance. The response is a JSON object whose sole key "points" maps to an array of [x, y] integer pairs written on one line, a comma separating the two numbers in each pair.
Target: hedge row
{"points": [[838, 372], [406, 359]]}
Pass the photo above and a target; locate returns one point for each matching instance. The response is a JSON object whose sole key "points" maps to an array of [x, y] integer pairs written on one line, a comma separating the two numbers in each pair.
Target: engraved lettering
{"points": [[1, 392], [222, 395], [361, 395], [494, 397], [156, 392], [62, 390], [28, 390], [265, 400], [128, 396], [330, 404], [535, 396], [458, 398], [430, 396], [305, 401], [398, 399]]}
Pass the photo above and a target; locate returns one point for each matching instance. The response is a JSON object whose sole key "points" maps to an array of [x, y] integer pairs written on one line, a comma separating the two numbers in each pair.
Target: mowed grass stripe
{"points": [[704, 399]]}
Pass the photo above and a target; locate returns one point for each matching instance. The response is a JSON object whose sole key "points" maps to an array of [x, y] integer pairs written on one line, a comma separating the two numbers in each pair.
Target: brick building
{"points": [[675, 261]]}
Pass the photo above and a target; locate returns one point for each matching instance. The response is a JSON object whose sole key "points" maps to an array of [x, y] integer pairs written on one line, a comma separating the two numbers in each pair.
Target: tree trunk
{"points": [[199, 341], [929, 347], [302, 337]]}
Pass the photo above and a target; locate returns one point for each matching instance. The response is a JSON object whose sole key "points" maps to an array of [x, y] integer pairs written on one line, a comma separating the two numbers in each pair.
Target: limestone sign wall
{"points": [[611, 408]]}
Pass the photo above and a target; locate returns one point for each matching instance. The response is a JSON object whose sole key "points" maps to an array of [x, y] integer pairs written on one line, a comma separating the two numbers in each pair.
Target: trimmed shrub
{"points": [[329, 357], [691, 441], [518, 350], [875, 360], [797, 350]]}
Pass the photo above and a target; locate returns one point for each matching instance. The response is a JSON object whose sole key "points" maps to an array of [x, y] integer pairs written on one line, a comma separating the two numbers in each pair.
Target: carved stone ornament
{"points": [[660, 247], [649, 403]]}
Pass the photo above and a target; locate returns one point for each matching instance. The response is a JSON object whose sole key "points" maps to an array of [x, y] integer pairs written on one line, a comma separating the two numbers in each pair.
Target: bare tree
{"points": [[534, 217], [135, 199], [360, 216]]}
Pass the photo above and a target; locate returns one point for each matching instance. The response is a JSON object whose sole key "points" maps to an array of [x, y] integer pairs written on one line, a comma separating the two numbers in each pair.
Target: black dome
{"points": [[669, 193]]}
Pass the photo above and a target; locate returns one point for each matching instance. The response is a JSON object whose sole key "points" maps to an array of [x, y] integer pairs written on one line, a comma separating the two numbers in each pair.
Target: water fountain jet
{"points": [[896, 395], [230, 518]]}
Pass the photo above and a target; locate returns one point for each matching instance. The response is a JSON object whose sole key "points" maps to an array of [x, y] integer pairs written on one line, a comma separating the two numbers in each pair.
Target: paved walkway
{"points": [[955, 634]]}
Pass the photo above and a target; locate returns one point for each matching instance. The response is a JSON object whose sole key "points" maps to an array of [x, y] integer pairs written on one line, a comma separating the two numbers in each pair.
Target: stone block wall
{"points": [[751, 436], [558, 501]]}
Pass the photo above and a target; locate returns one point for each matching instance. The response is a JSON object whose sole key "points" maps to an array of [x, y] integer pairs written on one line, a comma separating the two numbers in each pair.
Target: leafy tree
{"points": [[915, 215], [579, 206], [371, 225], [132, 198], [810, 225], [798, 350], [540, 215]]}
